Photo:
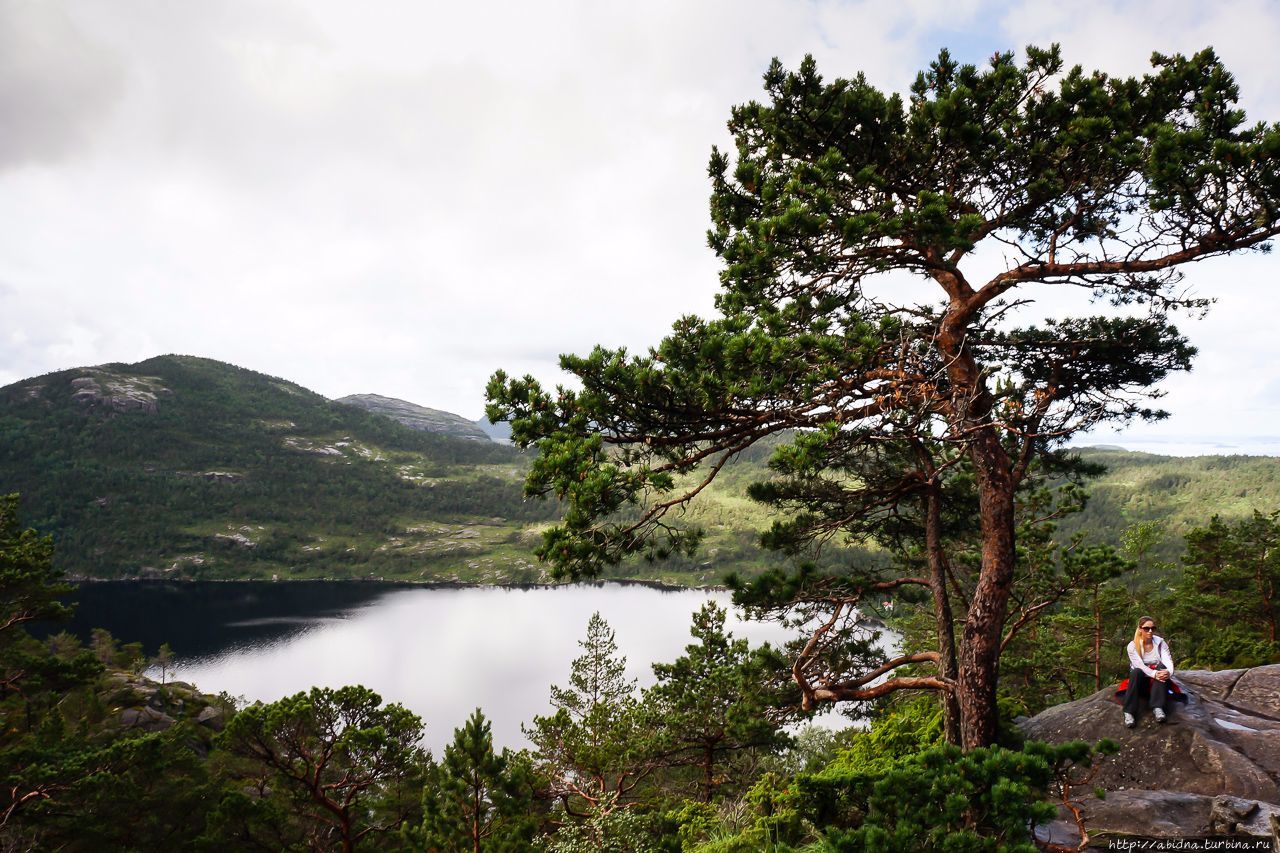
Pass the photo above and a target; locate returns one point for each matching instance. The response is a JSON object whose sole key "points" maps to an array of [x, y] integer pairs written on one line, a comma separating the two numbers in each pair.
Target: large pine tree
{"points": [[986, 186]]}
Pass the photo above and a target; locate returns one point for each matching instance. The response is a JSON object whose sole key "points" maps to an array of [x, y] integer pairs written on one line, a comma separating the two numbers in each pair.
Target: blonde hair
{"points": [[1141, 637]]}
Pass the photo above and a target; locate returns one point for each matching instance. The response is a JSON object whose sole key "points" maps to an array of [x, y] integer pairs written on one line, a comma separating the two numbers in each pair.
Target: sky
{"points": [[401, 197]]}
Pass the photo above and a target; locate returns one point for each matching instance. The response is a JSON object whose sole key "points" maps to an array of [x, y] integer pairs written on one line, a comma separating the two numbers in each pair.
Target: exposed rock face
{"points": [[500, 433], [1215, 764], [417, 417], [235, 539], [213, 718], [1163, 814], [222, 477], [117, 392], [148, 719]]}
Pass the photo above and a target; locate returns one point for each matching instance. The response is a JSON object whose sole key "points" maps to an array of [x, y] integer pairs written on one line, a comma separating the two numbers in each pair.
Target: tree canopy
{"points": [[327, 754], [835, 198]]}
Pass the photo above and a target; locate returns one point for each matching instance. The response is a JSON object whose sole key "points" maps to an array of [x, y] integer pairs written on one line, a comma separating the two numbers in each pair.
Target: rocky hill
{"points": [[1212, 770], [186, 467], [417, 417]]}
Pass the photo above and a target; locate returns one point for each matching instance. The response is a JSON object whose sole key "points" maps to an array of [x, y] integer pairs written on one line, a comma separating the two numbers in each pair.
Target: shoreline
{"points": [[407, 584]]}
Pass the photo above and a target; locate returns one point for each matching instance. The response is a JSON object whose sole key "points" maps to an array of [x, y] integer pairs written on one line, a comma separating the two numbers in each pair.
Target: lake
{"points": [[439, 651]]}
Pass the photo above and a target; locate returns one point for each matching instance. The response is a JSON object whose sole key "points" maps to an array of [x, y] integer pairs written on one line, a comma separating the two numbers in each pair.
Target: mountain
{"points": [[1178, 493], [499, 432], [189, 468], [417, 417], [186, 467]]}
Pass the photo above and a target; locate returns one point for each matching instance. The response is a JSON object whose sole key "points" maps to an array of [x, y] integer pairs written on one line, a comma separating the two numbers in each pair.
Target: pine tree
{"points": [[1112, 185], [329, 755], [597, 748], [476, 799], [1232, 570], [712, 706]]}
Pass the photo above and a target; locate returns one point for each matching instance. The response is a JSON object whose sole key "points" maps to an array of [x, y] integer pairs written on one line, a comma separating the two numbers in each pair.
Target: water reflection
{"points": [[202, 619], [439, 651]]}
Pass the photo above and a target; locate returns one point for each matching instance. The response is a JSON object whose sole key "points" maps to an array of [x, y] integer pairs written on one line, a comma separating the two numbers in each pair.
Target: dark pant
{"points": [[1139, 682]]}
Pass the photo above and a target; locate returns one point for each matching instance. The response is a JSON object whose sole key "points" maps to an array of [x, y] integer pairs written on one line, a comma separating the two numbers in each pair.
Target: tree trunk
{"points": [[1097, 641], [708, 773], [944, 621], [475, 819], [348, 843], [970, 417], [980, 643]]}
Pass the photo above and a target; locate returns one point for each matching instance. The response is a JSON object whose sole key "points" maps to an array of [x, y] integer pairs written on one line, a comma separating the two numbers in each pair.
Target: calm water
{"points": [[440, 652]]}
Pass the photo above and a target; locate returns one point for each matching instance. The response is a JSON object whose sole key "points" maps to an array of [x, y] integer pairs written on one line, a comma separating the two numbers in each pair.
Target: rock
{"points": [[212, 718], [118, 392], [1257, 692], [148, 719], [1208, 746], [1211, 685], [1213, 766], [1230, 813], [1163, 814], [418, 417]]}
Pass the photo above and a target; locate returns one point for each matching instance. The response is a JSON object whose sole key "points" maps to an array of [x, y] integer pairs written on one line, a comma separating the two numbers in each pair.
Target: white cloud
{"points": [[399, 198], [56, 83]]}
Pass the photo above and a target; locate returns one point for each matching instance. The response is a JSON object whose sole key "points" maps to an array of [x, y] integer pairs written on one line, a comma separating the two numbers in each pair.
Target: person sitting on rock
{"points": [[1151, 670]]}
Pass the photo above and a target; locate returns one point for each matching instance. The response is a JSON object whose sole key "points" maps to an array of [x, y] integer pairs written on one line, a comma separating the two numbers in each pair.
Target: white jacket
{"points": [[1161, 652]]}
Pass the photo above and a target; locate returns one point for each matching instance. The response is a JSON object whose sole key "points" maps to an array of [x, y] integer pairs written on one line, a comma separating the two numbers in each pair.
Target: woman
{"points": [[1151, 669]]}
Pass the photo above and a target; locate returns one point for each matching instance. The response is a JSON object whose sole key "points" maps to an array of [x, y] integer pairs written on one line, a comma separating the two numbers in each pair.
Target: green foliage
{"points": [[944, 799], [476, 799], [1147, 504], [73, 778], [606, 828], [332, 759], [899, 788], [230, 453], [1107, 183], [1215, 646], [132, 792], [903, 729], [1077, 642], [598, 748], [1232, 573], [714, 708], [30, 586]]}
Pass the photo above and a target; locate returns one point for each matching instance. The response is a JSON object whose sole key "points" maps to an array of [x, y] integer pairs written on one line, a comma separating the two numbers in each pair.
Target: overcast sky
{"points": [[400, 197]]}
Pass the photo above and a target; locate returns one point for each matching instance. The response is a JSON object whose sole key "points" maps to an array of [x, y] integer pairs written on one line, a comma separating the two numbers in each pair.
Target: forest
{"points": [[239, 474], [714, 756]]}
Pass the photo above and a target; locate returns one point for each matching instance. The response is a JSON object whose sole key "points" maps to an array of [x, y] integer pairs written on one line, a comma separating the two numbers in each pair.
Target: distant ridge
{"points": [[187, 468], [499, 432], [184, 467], [417, 417]]}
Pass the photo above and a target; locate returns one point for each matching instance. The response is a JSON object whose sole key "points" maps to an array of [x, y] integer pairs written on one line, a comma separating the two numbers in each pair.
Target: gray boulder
{"points": [[1212, 769], [1162, 814], [213, 718], [148, 719]]}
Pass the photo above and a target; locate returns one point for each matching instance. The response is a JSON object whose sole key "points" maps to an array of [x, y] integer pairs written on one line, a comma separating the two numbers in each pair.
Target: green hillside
{"points": [[1179, 492], [183, 467], [186, 467]]}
